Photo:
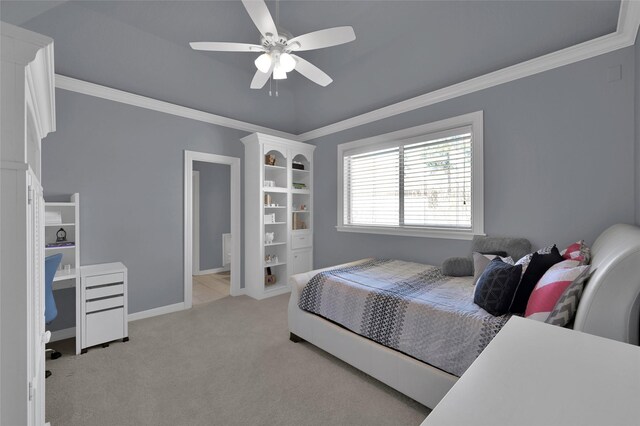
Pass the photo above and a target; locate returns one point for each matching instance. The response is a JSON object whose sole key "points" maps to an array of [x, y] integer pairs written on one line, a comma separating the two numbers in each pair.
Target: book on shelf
{"points": [[299, 185], [60, 244]]}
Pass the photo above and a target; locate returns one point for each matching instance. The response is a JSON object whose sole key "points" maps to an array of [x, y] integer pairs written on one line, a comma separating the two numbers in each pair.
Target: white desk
{"points": [[538, 374]]}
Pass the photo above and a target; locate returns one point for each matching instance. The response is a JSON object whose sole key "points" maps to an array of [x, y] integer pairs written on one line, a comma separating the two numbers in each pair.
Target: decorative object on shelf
{"points": [[269, 279], [269, 184], [267, 199], [270, 160], [302, 207], [299, 185], [298, 223], [269, 237], [61, 236], [270, 218], [271, 258], [52, 217], [67, 269], [297, 165]]}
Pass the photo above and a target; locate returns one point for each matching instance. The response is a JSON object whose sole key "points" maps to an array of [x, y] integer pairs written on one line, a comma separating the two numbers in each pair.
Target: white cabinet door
{"points": [[302, 261]]}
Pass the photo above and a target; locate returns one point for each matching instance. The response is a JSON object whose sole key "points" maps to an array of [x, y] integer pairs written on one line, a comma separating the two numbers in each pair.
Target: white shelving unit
{"points": [[281, 190], [70, 214]]}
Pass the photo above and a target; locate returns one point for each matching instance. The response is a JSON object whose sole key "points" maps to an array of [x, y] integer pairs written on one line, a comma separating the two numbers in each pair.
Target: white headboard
{"points": [[610, 305]]}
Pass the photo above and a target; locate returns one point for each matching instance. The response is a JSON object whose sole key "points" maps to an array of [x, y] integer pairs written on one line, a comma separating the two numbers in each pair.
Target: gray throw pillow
{"points": [[496, 287]]}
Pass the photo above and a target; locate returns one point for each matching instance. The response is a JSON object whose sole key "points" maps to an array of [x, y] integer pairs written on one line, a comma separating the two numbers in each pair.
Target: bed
{"points": [[609, 307]]}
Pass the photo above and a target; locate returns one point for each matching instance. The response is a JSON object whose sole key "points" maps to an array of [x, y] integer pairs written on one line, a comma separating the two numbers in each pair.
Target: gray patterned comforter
{"points": [[408, 307]]}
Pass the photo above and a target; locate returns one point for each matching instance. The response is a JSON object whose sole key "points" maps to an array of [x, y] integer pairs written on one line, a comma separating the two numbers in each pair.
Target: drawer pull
{"points": [[104, 303], [104, 310], [104, 285], [104, 291]]}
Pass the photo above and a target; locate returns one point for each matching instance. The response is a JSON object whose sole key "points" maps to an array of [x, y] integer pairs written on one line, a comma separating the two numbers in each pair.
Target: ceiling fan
{"points": [[277, 47]]}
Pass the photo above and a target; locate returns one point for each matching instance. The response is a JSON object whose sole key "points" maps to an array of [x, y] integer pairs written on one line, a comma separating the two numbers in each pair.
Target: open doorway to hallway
{"points": [[212, 239], [211, 198]]}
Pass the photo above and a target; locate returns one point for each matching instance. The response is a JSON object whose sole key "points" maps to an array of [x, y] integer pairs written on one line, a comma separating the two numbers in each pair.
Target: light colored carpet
{"points": [[228, 362]]}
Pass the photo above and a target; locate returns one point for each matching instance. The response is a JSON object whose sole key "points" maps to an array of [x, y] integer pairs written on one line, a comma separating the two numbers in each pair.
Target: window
{"points": [[423, 181]]}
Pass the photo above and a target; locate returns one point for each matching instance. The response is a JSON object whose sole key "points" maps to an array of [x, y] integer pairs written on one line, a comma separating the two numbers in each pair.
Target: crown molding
{"points": [[625, 36], [104, 92]]}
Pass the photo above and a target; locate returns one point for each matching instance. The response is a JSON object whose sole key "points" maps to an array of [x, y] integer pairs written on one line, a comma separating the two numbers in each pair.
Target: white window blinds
{"points": [[425, 182], [437, 182], [372, 191]]}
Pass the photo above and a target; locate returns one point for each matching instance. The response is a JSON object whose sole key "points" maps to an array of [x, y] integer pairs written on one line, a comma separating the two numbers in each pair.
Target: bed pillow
{"points": [[496, 287], [551, 287], [525, 260], [578, 251], [538, 265], [567, 305], [482, 260]]}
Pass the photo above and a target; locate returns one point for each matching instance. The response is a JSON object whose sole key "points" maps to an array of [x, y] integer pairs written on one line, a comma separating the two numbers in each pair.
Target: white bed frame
{"points": [[610, 307]]}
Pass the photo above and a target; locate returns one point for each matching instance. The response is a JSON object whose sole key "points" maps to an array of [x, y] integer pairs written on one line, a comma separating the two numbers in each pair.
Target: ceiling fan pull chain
{"points": [[270, 86], [276, 88]]}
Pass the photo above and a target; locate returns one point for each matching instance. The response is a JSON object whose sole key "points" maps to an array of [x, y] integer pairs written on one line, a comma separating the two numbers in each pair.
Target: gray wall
{"points": [[215, 211], [559, 162], [127, 165]]}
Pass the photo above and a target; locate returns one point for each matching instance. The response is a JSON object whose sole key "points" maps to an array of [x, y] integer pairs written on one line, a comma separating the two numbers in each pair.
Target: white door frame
{"points": [[195, 202], [189, 158]]}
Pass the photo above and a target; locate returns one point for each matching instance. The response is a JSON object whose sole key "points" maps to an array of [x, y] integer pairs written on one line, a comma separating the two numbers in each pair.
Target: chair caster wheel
{"points": [[125, 339], [83, 351], [105, 345], [55, 355]]}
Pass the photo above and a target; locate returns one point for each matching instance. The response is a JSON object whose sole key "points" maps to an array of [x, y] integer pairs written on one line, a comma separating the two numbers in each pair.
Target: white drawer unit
{"points": [[103, 299], [301, 240]]}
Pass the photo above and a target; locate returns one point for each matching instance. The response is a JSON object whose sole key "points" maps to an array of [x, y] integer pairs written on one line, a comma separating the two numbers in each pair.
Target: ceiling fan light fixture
{"points": [[279, 73], [287, 62], [263, 63]]}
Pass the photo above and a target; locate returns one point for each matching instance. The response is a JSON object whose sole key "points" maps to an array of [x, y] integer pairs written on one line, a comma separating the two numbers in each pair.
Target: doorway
{"points": [[211, 200], [212, 227]]}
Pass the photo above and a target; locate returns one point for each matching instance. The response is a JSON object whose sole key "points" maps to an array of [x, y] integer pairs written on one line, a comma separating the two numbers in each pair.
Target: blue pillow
{"points": [[496, 287]]}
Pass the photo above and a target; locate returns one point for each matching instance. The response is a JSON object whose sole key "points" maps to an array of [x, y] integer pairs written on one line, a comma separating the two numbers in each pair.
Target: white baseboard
{"points": [[213, 271], [70, 332], [156, 311], [239, 292], [65, 333]]}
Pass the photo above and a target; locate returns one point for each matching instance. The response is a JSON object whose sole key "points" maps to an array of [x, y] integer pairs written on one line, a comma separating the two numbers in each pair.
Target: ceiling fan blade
{"points": [[225, 47], [260, 15], [323, 38], [260, 78], [312, 72]]}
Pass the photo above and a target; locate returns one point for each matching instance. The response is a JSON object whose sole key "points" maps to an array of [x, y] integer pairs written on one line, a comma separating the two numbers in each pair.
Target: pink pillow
{"points": [[578, 251], [553, 283]]}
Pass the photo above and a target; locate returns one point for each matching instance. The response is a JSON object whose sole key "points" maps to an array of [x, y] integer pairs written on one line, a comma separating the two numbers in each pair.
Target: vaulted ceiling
{"points": [[402, 49]]}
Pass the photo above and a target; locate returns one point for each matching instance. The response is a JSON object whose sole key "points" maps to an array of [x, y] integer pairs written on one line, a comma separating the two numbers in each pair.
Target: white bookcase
{"points": [[278, 200], [69, 221]]}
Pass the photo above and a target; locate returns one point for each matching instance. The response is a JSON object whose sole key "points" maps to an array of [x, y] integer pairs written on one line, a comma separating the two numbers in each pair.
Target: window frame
{"points": [[475, 120]]}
